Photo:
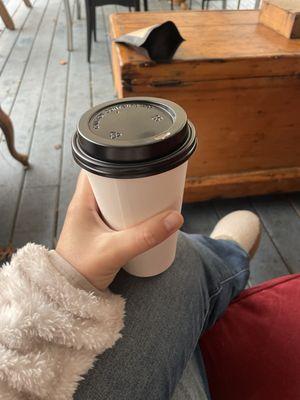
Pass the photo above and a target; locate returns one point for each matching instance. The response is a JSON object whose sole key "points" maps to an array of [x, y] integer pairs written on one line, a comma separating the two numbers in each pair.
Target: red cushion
{"points": [[253, 351]]}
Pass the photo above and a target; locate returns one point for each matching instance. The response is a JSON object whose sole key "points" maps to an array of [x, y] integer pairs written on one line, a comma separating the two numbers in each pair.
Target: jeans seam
{"points": [[233, 276], [218, 291]]}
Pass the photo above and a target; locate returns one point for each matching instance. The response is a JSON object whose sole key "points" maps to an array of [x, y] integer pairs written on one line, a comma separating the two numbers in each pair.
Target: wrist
{"points": [[71, 273]]}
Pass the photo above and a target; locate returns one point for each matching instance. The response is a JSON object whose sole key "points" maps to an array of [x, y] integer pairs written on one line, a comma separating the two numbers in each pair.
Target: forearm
{"points": [[51, 329]]}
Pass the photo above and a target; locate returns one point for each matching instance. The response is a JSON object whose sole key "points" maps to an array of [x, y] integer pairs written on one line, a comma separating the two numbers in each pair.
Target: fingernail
{"points": [[172, 221]]}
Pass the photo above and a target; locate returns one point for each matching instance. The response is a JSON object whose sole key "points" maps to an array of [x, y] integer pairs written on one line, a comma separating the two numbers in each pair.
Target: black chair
{"points": [[90, 6]]}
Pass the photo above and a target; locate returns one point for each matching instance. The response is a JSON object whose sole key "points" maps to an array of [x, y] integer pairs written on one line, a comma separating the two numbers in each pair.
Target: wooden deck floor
{"points": [[45, 89]]}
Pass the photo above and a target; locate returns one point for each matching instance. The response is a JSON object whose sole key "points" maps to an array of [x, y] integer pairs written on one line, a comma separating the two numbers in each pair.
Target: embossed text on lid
{"points": [[132, 121], [132, 137]]}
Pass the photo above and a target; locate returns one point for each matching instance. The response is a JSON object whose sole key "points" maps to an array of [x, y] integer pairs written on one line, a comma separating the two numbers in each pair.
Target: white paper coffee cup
{"points": [[135, 152]]}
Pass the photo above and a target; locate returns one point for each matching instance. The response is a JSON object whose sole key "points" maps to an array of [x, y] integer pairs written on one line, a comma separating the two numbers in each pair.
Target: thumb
{"points": [[147, 234]]}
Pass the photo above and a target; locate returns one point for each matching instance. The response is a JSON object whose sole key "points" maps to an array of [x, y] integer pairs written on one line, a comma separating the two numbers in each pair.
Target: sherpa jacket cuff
{"points": [[50, 330]]}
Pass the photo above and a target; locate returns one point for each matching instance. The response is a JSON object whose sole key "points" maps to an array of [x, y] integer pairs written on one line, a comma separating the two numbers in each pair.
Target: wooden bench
{"points": [[7, 127], [8, 22]]}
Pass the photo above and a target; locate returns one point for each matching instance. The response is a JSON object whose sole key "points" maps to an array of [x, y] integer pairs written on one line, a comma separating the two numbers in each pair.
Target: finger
{"points": [[83, 195], [84, 203], [150, 233]]}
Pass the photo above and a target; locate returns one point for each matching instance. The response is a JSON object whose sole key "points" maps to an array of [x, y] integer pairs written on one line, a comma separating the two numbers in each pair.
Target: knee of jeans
{"points": [[232, 256], [187, 267], [187, 252], [218, 260]]}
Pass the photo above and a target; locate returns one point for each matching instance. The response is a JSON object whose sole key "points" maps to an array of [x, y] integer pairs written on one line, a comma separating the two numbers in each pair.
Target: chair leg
{"points": [[145, 5], [137, 5], [28, 4], [224, 4], [94, 26], [69, 25], [8, 22], [239, 4], [78, 7], [88, 28], [172, 4], [203, 4], [8, 130]]}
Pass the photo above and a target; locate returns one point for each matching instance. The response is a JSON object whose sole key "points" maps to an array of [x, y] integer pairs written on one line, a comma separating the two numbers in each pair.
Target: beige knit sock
{"points": [[243, 227]]}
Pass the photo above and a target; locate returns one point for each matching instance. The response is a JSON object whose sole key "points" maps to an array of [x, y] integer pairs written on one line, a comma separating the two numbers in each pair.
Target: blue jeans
{"points": [[158, 357]]}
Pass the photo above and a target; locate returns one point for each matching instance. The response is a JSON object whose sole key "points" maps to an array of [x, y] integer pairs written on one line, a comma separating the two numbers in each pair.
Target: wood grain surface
{"points": [[239, 82], [283, 16]]}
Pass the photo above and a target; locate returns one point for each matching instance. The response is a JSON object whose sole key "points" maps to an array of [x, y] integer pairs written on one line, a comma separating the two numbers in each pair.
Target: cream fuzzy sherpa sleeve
{"points": [[50, 330]]}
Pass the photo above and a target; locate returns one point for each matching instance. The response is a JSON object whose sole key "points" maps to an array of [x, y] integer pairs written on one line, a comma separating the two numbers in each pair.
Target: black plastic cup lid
{"points": [[133, 137]]}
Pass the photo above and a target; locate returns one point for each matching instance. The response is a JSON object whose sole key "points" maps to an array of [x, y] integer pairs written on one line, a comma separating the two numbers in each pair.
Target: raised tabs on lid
{"points": [[131, 122], [133, 137], [133, 129]]}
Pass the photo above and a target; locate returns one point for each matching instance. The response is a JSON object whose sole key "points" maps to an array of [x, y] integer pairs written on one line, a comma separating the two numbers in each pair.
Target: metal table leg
{"points": [[257, 4], [69, 24], [78, 6]]}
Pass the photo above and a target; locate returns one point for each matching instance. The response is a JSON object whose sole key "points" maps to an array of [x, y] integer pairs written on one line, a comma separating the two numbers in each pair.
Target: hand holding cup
{"points": [[97, 251], [135, 153]]}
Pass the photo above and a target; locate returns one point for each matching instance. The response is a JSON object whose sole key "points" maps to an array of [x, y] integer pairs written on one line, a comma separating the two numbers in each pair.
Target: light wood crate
{"points": [[239, 82]]}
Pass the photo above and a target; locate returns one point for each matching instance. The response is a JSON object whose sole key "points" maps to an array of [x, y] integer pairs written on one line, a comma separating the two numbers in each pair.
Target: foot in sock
{"points": [[242, 227]]}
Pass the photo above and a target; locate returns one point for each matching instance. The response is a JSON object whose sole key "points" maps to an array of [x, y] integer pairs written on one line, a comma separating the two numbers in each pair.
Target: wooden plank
{"points": [[283, 16], [235, 185], [12, 75], [10, 169], [283, 225], [295, 202], [38, 205], [199, 218], [24, 115], [246, 147], [192, 70], [35, 221], [78, 101], [9, 38], [267, 262], [189, 69], [189, 19], [210, 37], [101, 73]]}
